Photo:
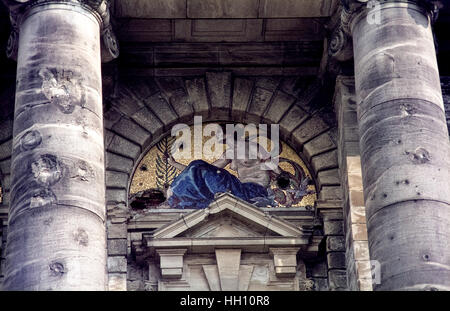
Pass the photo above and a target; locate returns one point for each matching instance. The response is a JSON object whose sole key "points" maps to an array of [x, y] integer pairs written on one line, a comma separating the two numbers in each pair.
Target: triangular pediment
{"points": [[228, 217]]}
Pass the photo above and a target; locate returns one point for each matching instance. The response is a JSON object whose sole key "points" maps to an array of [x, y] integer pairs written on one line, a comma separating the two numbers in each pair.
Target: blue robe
{"points": [[196, 186]]}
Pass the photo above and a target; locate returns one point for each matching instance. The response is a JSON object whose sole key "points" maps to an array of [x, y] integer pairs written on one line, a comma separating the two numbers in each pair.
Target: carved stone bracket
{"points": [[340, 46], [99, 8], [171, 262]]}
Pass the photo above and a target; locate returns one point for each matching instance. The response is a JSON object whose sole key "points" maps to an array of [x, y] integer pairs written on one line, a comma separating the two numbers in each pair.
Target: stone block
{"points": [[117, 247], [333, 228], [336, 260], [280, 104], [318, 145], [174, 92], [359, 232], [294, 117], [365, 285], [335, 244], [251, 55], [219, 88], [117, 281], [5, 166], [197, 95], [292, 29], [171, 262], [268, 83], [260, 100], [3, 251], [294, 86], [218, 30], [151, 9], [134, 273], [107, 137], [294, 8], [125, 102], [4, 234], [147, 120], [329, 177], [309, 129], [319, 270], [285, 261], [5, 149], [124, 147], [117, 264], [363, 269], [132, 131], [111, 117], [228, 261], [222, 8], [134, 286], [330, 193], [5, 182], [321, 284], [358, 214], [337, 279], [325, 161], [118, 163], [116, 196], [6, 196], [241, 96], [117, 231], [159, 105], [142, 88], [354, 165], [6, 129], [351, 148], [182, 54], [361, 250], [116, 179], [356, 198], [351, 133]]}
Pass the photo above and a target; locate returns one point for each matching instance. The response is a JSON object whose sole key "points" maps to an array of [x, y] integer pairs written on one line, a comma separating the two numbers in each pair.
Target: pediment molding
{"points": [[229, 204]]}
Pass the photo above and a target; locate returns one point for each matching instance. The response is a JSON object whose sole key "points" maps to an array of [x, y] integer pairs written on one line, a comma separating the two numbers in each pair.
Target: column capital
{"points": [[99, 9], [340, 46], [371, 8]]}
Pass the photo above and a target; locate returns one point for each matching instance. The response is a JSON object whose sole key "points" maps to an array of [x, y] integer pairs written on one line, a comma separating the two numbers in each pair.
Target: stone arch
{"points": [[142, 111]]}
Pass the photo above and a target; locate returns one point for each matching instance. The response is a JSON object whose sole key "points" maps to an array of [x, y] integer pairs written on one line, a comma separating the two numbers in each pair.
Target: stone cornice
{"points": [[99, 9], [340, 46]]}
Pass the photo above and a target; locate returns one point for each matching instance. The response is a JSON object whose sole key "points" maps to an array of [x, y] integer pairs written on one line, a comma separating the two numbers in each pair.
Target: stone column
{"points": [[404, 143], [56, 229]]}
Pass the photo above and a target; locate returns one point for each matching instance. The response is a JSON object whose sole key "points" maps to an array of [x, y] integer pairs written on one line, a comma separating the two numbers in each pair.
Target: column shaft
{"points": [[57, 237], [404, 147]]}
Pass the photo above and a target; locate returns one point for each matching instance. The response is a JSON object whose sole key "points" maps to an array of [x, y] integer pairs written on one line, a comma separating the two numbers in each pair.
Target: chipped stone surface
{"points": [[280, 104], [241, 96], [294, 117], [219, 88], [57, 199]]}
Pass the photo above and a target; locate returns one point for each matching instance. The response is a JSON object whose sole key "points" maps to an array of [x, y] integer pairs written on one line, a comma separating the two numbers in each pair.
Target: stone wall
{"points": [[355, 244], [134, 121], [141, 111]]}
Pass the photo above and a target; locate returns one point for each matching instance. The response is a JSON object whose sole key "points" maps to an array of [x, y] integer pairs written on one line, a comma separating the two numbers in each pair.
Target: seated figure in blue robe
{"points": [[198, 183]]}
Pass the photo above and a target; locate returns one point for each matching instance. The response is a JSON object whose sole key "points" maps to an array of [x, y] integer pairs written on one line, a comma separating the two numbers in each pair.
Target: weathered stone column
{"points": [[405, 153], [57, 233]]}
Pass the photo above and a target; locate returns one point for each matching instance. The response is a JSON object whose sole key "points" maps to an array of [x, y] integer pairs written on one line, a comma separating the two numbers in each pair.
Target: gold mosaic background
{"points": [[146, 179]]}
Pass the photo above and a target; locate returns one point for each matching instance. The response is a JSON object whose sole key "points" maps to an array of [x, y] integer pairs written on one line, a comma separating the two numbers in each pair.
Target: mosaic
{"points": [[154, 171]]}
